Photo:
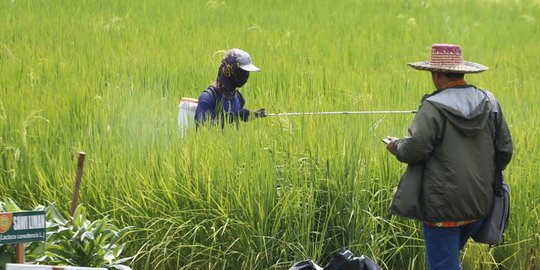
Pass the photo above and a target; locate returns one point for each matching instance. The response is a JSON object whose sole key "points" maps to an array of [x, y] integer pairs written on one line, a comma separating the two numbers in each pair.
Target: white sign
{"points": [[16, 266]]}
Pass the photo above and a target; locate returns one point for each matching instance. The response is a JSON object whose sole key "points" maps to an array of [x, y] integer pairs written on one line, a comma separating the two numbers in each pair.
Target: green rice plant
{"points": [[105, 78]]}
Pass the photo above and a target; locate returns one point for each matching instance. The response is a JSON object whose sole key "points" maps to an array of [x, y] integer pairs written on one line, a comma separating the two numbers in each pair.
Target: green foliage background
{"points": [[105, 77]]}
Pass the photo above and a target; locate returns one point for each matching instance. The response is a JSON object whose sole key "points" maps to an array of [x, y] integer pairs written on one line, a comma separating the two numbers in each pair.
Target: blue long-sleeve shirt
{"points": [[208, 104]]}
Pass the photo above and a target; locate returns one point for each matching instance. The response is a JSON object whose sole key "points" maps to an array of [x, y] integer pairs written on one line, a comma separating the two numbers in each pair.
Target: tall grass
{"points": [[105, 77]]}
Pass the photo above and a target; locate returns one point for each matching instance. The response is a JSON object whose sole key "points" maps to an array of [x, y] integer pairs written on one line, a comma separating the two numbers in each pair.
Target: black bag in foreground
{"points": [[305, 265], [345, 260]]}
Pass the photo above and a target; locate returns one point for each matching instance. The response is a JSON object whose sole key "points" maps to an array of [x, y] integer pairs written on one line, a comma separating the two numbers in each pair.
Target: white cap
{"points": [[244, 60]]}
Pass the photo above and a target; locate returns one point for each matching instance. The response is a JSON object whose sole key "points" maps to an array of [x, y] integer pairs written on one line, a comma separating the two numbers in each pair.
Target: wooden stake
{"points": [[78, 180], [19, 253]]}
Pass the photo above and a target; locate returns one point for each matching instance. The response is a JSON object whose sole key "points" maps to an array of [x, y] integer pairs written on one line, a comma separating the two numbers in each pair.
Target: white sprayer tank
{"points": [[186, 113]]}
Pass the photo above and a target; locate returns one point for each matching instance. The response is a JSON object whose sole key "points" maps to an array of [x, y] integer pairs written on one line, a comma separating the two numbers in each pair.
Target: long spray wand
{"points": [[343, 112]]}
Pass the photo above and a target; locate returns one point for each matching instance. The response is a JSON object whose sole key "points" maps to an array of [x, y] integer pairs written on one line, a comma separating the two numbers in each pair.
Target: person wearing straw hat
{"points": [[450, 153], [222, 102]]}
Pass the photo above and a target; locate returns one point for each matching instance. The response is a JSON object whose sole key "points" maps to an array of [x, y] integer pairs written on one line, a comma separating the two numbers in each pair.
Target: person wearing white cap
{"points": [[457, 141], [221, 102]]}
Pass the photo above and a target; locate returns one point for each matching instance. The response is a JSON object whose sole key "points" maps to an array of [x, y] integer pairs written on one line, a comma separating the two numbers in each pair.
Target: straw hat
{"points": [[448, 58]]}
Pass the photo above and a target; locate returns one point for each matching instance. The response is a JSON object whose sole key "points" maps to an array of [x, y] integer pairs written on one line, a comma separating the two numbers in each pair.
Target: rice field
{"points": [[106, 77]]}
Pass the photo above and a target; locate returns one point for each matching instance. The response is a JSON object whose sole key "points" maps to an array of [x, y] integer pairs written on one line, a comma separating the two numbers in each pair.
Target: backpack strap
{"points": [[210, 90], [241, 99], [218, 106]]}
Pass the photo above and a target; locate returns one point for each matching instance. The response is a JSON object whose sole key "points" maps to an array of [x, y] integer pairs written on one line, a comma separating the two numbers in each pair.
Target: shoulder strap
{"points": [[492, 100], [495, 112], [218, 105], [210, 90], [241, 99]]}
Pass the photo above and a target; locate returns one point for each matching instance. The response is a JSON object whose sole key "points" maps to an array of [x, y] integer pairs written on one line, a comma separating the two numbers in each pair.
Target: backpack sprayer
{"points": [[188, 106]]}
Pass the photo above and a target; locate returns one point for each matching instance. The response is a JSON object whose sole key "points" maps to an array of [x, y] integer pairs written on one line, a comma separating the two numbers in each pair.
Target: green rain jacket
{"points": [[451, 157]]}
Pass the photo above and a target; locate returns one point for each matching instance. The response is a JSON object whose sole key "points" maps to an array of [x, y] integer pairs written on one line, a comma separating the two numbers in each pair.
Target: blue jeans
{"points": [[443, 244]]}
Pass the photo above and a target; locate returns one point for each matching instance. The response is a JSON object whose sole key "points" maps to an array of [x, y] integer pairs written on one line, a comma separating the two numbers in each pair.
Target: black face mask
{"points": [[240, 77], [231, 77]]}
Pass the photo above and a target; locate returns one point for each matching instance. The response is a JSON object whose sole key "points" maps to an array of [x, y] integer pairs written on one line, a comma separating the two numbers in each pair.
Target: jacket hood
{"points": [[467, 108]]}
